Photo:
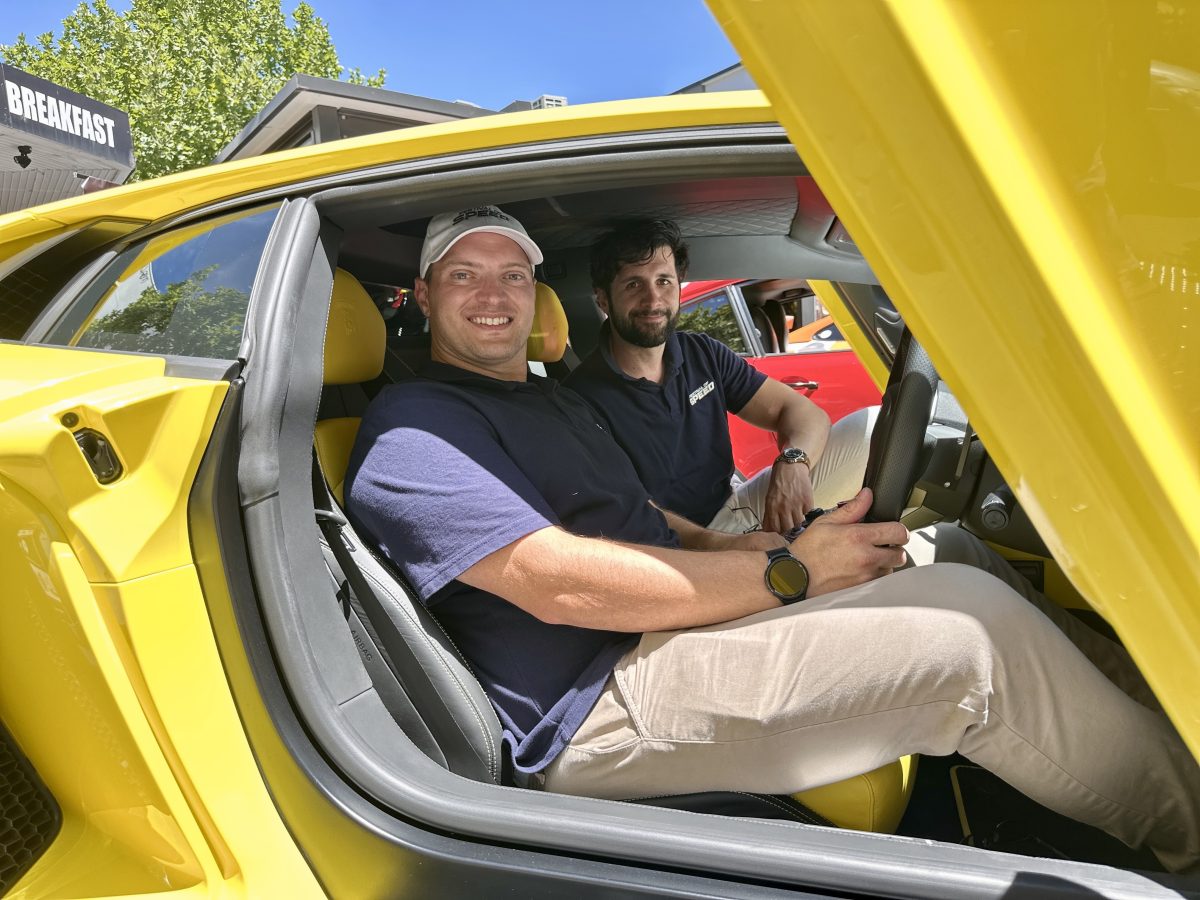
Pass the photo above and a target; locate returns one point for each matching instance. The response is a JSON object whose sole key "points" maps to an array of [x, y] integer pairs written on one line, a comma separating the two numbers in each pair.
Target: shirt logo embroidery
{"points": [[701, 392]]}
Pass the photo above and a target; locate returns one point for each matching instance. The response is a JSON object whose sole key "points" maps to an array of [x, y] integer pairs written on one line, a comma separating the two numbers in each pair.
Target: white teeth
{"points": [[490, 320]]}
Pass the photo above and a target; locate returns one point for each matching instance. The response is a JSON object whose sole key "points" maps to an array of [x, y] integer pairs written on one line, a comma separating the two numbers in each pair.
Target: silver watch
{"points": [[794, 455]]}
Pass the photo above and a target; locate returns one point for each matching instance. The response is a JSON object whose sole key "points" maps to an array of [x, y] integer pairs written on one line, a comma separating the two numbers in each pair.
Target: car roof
{"points": [[172, 194]]}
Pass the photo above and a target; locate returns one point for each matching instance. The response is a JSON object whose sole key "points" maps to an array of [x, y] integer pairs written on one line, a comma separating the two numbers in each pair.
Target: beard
{"points": [[632, 330]]}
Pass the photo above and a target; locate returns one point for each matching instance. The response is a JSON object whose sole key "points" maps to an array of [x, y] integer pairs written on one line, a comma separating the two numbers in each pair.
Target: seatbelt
{"points": [[349, 584]]}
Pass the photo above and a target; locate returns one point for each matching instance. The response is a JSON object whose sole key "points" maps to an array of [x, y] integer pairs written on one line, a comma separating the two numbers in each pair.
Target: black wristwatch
{"points": [[794, 455], [786, 576]]}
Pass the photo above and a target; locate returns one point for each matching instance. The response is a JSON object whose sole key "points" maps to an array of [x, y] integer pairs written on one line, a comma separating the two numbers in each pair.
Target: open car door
{"points": [[1022, 178]]}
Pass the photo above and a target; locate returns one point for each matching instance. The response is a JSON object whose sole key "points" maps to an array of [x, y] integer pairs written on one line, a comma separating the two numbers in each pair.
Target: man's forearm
{"points": [[566, 579], [696, 537], [804, 425], [590, 583], [796, 420]]}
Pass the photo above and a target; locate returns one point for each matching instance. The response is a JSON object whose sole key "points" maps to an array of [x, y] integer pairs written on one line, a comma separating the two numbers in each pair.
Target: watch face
{"points": [[787, 577], [792, 453]]}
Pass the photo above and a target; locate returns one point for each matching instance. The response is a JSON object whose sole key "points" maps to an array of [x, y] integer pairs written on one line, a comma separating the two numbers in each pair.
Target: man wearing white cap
{"points": [[622, 665], [479, 250]]}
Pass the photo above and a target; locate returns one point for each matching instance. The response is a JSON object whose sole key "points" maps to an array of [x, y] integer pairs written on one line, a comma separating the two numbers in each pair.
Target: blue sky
{"points": [[491, 53]]}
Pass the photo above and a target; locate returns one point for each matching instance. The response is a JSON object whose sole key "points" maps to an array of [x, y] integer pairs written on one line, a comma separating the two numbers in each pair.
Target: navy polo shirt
{"points": [[677, 432], [451, 466]]}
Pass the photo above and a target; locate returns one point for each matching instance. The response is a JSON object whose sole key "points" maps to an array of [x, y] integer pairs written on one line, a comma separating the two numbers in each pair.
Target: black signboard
{"points": [[44, 109]]}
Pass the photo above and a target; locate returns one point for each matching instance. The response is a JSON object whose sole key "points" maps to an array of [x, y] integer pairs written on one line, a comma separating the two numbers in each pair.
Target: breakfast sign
{"points": [[31, 107]]}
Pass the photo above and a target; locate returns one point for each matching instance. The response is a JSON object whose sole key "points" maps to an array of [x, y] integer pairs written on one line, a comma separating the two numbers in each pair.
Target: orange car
{"points": [[823, 331]]}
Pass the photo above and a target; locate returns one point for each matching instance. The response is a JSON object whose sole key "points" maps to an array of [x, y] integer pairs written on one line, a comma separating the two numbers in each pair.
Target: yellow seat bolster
{"points": [[356, 336], [335, 439], [548, 339], [873, 801]]}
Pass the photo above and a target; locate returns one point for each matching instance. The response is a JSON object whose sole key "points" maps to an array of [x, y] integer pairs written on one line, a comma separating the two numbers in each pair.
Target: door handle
{"points": [[803, 385]]}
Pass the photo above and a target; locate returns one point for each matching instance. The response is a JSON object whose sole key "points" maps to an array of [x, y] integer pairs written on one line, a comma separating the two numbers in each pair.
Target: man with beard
{"points": [[666, 395]]}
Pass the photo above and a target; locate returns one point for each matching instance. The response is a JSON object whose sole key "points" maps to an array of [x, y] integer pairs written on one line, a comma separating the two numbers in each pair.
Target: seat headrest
{"points": [[355, 336], [548, 339]]}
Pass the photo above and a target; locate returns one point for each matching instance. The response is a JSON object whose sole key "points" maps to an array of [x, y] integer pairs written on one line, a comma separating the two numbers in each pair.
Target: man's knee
{"points": [[954, 544], [968, 589]]}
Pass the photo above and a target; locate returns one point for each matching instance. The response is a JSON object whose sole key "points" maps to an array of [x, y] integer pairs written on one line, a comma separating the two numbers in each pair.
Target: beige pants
{"points": [[838, 475], [934, 659]]}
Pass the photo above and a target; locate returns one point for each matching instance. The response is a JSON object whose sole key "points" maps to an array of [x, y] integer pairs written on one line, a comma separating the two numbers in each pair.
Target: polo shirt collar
{"points": [[672, 354], [444, 372]]}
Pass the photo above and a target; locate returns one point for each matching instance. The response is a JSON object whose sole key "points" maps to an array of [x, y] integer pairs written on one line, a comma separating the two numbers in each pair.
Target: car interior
{"points": [[374, 698]]}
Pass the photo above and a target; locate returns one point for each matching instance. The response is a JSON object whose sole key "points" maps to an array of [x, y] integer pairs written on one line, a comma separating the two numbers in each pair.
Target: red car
{"points": [[755, 319]]}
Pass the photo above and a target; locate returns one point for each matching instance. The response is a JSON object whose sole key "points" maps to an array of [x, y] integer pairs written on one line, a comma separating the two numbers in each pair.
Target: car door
{"points": [[107, 406], [825, 370], [1023, 185]]}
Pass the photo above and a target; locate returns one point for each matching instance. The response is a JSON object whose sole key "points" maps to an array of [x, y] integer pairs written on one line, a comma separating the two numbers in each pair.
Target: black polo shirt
{"points": [[451, 466], [677, 432]]}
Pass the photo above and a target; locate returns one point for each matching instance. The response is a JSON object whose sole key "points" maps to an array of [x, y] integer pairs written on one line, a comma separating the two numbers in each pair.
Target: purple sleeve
{"points": [[741, 380], [438, 493]]}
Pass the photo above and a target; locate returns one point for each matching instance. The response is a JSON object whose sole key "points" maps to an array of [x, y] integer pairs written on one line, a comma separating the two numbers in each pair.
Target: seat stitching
{"points": [[437, 653]]}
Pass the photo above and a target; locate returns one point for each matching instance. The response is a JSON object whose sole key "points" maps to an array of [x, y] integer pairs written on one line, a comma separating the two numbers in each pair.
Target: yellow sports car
{"points": [[209, 686]]}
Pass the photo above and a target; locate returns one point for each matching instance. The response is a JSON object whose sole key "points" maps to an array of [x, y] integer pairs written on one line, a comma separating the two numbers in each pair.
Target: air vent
{"points": [[29, 817]]}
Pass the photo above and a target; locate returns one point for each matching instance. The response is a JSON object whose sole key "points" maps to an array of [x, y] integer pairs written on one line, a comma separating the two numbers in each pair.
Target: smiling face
{"points": [[643, 300], [480, 300]]}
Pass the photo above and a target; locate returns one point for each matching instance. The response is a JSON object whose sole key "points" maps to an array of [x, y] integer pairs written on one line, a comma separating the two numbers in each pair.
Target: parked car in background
{"points": [[758, 319], [823, 332]]}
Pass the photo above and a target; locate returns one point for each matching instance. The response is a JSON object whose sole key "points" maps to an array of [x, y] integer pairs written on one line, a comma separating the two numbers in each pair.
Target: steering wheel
{"points": [[894, 459]]}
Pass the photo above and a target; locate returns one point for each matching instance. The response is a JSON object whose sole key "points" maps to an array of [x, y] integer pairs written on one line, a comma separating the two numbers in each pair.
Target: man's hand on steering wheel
{"points": [[789, 497], [840, 550]]}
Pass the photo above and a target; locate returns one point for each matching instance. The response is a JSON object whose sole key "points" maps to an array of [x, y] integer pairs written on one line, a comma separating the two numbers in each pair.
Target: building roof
{"points": [[296, 101]]}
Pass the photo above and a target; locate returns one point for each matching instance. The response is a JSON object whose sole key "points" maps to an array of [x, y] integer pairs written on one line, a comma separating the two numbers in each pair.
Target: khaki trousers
{"points": [[933, 659]]}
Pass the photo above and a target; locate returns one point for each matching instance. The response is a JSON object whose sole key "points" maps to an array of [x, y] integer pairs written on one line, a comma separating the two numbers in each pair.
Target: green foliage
{"points": [[183, 320], [190, 73], [716, 323]]}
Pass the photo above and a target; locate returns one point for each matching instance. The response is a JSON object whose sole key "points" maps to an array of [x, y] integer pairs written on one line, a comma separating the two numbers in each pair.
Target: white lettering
{"points": [[29, 102], [64, 115], [700, 393], [52, 118], [14, 98], [60, 114]]}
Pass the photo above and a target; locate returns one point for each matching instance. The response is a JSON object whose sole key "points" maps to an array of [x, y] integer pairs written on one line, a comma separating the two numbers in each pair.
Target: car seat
{"points": [[418, 672]]}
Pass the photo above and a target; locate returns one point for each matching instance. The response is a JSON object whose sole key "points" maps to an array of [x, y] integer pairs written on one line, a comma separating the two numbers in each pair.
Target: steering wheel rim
{"points": [[894, 459]]}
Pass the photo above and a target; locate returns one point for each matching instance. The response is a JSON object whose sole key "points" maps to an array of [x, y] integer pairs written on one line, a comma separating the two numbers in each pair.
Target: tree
{"points": [[190, 73], [718, 323], [185, 320]]}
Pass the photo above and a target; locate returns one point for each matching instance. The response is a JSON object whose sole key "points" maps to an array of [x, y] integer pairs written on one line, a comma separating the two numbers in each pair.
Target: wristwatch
{"points": [[794, 455], [786, 576]]}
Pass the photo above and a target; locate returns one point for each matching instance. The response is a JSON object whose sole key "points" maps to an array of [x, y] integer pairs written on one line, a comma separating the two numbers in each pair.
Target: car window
{"points": [[713, 315], [183, 293], [27, 290]]}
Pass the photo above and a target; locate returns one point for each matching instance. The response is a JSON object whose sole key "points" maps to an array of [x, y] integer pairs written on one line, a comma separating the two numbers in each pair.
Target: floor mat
{"points": [[996, 816]]}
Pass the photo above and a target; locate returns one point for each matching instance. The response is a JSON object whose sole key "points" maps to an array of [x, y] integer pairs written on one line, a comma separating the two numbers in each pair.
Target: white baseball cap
{"points": [[447, 229]]}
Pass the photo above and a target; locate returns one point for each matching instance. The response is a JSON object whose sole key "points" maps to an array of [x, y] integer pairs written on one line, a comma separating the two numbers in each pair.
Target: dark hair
{"points": [[635, 242]]}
